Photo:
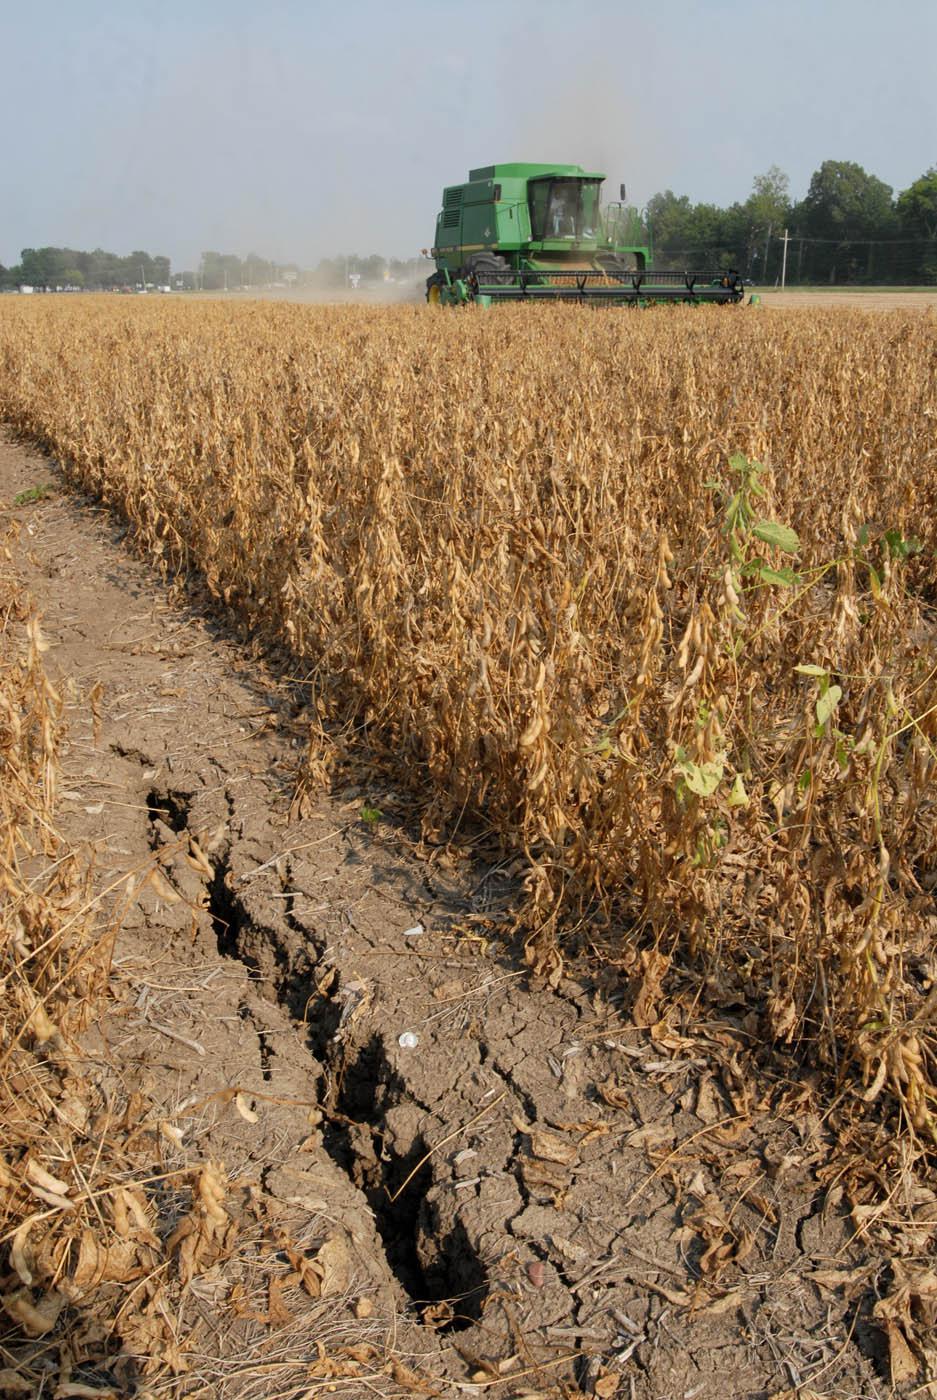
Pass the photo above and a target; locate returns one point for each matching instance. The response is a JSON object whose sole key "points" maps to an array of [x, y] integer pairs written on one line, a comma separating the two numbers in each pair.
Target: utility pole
{"points": [[784, 261]]}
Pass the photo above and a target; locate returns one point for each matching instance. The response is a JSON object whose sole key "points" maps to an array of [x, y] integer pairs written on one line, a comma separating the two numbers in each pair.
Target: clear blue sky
{"points": [[297, 129]]}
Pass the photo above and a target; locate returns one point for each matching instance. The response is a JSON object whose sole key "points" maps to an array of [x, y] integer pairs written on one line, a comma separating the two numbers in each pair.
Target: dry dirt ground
{"points": [[919, 299], [534, 1192]]}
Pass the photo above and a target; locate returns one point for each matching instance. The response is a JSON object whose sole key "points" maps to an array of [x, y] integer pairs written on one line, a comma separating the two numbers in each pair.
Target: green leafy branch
{"points": [[743, 523]]}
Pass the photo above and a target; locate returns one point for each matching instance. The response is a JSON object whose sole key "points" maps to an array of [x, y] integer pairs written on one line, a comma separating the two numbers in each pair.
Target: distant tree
{"points": [[738, 239], [97, 270], [706, 222], [765, 212], [139, 267], [102, 270], [844, 202], [916, 207], [844, 207], [670, 218], [769, 204], [697, 237], [218, 271], [258, 271], [33, 267]]}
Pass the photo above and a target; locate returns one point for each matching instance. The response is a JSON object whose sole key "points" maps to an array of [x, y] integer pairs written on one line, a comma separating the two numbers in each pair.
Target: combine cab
{"points": [[539, 233]]}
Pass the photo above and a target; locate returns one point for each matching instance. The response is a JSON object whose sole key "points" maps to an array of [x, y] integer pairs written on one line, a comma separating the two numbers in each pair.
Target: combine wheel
{"points": [[489, 267], [434, 287]]}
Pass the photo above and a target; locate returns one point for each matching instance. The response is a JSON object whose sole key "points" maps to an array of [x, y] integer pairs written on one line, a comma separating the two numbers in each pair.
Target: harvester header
{"points": [[528, 232]]}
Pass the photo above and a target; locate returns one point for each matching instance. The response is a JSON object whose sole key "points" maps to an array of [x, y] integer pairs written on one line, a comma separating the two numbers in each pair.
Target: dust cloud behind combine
{"points": [[578, 108], [400, 293]]}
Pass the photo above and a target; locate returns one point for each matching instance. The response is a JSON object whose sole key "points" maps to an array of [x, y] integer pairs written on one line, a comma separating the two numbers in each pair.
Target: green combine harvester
{"points": [[522, 232]]}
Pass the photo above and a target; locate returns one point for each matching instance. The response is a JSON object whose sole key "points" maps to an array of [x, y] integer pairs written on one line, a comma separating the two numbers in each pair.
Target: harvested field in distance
{"points": [[870, 299], [533, 559]]}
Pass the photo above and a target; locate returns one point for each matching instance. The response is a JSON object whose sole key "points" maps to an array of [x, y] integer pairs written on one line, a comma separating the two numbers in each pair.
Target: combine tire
{"points": [[434, 286], [489, 268]]}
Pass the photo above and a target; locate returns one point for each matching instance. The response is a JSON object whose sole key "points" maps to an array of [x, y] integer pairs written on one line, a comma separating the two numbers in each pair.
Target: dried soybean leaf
{"points": [[644, 1012], [278, 1314], [36, 1319], [902, 1360], [550, 1148], [334, 1265], [18, 1256], [614, 1094], [14, 1383], [247, 1113]]}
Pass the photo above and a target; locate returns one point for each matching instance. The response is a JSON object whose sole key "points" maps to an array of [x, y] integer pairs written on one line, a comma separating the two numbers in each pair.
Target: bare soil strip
{"points": [[534, 1194], [879, 300]]}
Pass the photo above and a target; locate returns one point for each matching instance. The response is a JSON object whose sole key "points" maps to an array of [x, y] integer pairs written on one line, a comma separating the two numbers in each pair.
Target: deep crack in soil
{"points": [[526, 1179]]}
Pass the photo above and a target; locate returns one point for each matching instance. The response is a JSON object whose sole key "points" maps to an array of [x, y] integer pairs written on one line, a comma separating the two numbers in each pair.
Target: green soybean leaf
{"points": [[784, 578], [827, 703], [779, 536], [806, 668], [738, 797], [701, 778], [899, 547]]}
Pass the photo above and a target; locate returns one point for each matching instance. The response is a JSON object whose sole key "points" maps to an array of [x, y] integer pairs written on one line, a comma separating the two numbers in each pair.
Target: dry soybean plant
{"points": [[651, 595], [53, 969]]}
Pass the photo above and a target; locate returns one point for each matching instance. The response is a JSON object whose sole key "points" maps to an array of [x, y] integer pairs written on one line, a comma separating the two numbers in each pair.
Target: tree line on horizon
{"points": [[849, 228], [97, 270]]}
